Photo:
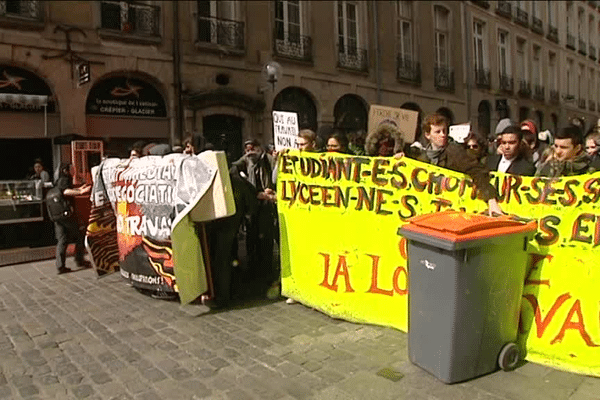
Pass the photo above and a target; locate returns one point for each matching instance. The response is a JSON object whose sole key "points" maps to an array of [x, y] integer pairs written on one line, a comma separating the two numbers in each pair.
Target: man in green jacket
{"points": [[567, 157]]}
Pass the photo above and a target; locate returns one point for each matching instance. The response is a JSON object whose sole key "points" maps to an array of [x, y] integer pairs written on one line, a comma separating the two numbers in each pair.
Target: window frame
{"points": [[407, 55], [439, 32], [344, 27], [504, 68]]}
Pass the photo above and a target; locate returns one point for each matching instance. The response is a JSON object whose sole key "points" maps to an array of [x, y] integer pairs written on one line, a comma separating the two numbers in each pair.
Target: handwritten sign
{"points": [[360, 272], [459, 132], [405, 120], [285, 130]]}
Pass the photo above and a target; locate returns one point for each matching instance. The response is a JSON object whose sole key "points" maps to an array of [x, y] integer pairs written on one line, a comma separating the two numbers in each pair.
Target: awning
{"points": [[24, 99]]}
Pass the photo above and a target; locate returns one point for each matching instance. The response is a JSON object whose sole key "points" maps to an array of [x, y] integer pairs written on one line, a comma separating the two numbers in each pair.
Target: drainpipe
{"points": [[467, 61], [177, 74], [377, 50]]}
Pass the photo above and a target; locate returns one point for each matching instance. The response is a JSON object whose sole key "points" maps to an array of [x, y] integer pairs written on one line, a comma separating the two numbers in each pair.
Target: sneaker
{"points": [[63, 270], [83, 264], [290, 301], [273, 291]]}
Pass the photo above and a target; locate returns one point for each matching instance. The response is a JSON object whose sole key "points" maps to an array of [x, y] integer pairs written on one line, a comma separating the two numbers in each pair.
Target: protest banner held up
{"points": [[285, 130], [341, 252], [142, 218], [404, 120]]}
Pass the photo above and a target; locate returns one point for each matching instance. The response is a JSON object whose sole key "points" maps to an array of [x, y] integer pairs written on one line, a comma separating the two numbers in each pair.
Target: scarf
{"points": [[434, 155]]}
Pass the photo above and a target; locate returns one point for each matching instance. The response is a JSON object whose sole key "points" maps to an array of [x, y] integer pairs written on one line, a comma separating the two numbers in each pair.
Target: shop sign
{"points": [[125, 96], [24, 91]]}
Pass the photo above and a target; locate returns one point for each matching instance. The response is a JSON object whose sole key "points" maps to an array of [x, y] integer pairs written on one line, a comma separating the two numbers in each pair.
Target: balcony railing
{"points": [[408, 70], [581, 103], [554, 96], [353, 58], [482, 78], [21, 9], [506, 83], [592, 52], [582, 47], [592, 105], [552, 33], [504, 9], [443, 78], [537, 25], [298, 47], [522, 17], [482, 3], [524, 88], [130, 18], [224, 32], [539, 93], [570, 41]]}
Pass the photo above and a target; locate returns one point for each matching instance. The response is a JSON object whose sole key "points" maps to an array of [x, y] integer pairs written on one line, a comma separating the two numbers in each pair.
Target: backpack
{"points": [[58, 207]]}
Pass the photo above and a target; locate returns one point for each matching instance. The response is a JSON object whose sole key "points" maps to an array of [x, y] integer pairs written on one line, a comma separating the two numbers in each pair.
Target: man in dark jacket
{"points": [[455, 157], [512, 160], [568, 157], [67, 226]]}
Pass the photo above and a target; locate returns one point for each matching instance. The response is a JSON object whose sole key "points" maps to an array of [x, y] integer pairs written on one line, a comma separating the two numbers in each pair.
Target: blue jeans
{"points": [[65, 229]]}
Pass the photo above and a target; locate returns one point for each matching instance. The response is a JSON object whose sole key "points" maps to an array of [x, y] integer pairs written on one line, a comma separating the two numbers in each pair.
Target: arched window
{"points": [[350, 113], [484, 118], [298, 100], [445, 111]]}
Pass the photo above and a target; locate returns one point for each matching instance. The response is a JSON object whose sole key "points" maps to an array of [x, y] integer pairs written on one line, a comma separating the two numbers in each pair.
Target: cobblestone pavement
{"points": [[74, 336]]}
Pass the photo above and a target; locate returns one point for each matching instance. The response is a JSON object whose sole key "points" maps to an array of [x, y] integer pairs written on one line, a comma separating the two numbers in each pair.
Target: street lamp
{"points": [[271, 73]]}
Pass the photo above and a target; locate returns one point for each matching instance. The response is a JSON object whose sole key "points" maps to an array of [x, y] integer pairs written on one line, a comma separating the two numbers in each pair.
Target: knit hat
{"points": [[530, 126], [503, 123]]}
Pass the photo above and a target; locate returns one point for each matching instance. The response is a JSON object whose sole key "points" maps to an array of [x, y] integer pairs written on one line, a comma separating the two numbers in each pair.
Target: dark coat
{"points": [[457, 158], [519, 166], [578, 166]]}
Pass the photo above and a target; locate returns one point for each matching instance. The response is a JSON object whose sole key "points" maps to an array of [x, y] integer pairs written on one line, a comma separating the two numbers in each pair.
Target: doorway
{"points": [[224, 132]]}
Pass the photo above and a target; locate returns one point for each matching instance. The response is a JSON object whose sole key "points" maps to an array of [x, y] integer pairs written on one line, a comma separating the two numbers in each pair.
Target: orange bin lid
{"points": [[455, 226]]}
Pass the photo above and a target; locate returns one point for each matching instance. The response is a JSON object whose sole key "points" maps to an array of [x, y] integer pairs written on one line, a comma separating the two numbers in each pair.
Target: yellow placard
{"points": [[341, 252]]}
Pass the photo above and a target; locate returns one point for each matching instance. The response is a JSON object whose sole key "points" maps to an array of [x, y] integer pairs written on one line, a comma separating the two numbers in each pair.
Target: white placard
{"points": [[285, 130], [459, 132]]}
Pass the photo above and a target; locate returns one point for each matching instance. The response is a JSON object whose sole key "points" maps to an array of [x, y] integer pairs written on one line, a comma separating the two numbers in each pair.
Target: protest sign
{"points": [[359, 272], [405, 120], [285, 130], [150, 231], [459, 132]]}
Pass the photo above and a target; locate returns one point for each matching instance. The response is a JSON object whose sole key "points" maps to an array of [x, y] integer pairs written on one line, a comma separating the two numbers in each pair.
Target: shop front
{"points": [[29, 119], [122, 109]]}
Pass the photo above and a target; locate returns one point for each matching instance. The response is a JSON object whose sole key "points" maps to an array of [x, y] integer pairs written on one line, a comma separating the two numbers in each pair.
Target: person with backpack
{"points": [[60, 212]]}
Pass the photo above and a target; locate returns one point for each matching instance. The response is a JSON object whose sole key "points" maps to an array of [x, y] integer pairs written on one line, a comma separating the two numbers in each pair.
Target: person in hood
{"points": [[567, 157], [385, 141]]}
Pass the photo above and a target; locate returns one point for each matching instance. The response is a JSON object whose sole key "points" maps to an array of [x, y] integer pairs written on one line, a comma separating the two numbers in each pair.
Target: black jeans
{"points": [[65, 229]]}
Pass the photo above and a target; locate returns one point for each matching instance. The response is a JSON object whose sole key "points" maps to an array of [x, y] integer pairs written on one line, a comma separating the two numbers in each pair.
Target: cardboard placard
{"points": [[285, 130], [459, 132], [405, 120]]}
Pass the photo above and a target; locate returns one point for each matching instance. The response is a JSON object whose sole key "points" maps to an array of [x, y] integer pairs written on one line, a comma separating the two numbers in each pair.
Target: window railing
{"points": [[297, 47], [443, 78], [592, 52], [506, 83], [524, 88], [592, 105], [554, 96], [582, 47], [408, 70], [130, 18], [552, 33], [482, 3], [581, 103], [539, 93], [353, 58], [26, 10], [522, 17], [221, 31], [537, 25], [570, 41], [482, 78], [504, 9]]}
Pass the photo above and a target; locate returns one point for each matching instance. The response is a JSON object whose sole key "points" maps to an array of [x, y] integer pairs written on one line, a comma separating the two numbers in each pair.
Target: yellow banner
{"points": [[341, 252]]}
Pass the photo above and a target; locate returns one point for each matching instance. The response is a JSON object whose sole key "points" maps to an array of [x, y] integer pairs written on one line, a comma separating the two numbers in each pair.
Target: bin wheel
{"points": [[509, 357]]}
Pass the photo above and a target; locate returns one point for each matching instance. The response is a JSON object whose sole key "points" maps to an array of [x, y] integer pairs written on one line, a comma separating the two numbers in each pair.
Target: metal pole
{"points": [[177, 73], [467, 62], [377, 50]]}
